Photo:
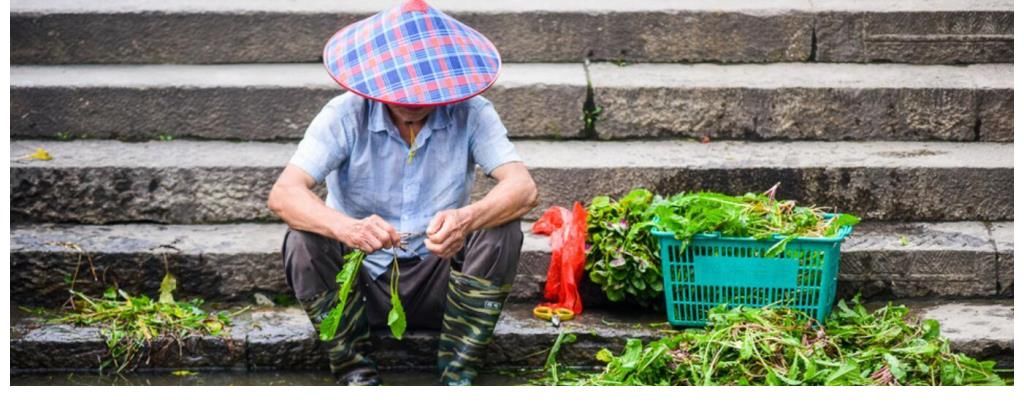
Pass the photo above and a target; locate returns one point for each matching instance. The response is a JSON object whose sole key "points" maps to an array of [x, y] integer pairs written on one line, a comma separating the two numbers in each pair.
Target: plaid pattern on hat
{"points": [[412, 55]]}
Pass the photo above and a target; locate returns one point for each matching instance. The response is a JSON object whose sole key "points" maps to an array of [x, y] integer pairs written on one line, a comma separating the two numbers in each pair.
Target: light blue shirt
{"points": [[353, 146]]}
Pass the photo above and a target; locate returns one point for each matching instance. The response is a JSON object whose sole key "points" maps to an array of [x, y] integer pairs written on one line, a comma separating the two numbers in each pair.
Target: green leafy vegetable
{"points": [[346, 279], [396, 316], [624, 257], [551, 364], [777, 346], [752, 215], [129, 324], [329, 325]]}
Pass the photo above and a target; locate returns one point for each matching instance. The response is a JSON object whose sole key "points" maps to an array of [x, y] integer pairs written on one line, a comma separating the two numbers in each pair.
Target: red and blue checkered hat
{"points": [[412, 55]]}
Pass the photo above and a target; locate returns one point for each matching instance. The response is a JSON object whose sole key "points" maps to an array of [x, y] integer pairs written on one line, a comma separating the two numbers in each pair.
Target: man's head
{"points": [[417, 65], [409, 114]]}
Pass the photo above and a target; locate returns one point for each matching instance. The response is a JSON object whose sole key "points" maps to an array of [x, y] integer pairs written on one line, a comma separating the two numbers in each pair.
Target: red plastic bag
{"points": [[568, 231]]}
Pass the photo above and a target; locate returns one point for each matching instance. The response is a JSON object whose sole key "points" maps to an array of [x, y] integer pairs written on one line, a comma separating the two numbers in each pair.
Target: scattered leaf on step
{"points": [[263, 300], [40, 155], [214, 327]]}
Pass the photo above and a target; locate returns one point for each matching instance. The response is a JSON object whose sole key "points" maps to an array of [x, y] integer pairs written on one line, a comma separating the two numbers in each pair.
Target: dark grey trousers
{"points": [[312, 261]]}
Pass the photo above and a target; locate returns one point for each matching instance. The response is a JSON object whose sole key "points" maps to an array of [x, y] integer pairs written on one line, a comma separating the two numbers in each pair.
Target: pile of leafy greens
{"points": [[623, 256], [131, 323], [777, 346], [759, 216]]}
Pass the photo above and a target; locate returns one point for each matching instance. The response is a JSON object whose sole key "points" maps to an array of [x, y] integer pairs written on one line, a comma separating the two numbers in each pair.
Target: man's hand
{"points": [[447, 232], [368, 235]]}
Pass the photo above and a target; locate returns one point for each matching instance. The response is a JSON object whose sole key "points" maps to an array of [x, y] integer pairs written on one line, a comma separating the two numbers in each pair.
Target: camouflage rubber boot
{"points": [[470, 314], [348, 365]]}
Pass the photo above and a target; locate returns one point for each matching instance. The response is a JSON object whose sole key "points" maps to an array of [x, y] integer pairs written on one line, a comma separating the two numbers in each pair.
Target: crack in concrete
{"points": [[591, 111], [995, 252], [977, 121], [814, 41]]}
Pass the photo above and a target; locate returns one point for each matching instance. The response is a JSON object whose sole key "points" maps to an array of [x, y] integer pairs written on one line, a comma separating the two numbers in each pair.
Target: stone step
{"points": [[784, 101], [190, 31], [232, 262], [806, 101], [179, 182], [283, 339]]}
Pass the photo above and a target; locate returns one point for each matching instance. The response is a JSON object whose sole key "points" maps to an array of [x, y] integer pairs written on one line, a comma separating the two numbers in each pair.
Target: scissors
{"points": [[555, 314], [403, 244]]}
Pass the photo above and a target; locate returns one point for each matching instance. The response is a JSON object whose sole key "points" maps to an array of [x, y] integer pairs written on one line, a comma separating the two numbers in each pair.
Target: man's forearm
{"points": [[303, 210], [507, 201]]}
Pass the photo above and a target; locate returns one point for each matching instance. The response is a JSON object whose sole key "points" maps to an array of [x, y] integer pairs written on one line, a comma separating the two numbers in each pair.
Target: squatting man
{"points": [[398, 153]]}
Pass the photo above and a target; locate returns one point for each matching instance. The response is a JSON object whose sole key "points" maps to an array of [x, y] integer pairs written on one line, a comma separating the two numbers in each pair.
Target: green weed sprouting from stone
{"points": [[591, 111], [69, 136]]}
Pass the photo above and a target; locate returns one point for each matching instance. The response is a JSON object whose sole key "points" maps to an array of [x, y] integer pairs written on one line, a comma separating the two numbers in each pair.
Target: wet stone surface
{"points": [[283, 339], [980, 329], [265, 378]]}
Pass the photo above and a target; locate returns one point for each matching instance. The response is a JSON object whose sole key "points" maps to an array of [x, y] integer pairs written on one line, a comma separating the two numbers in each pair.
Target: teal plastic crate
{"points": [[715, 270]]}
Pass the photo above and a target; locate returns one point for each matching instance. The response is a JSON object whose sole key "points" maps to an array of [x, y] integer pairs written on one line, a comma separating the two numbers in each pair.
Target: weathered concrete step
{"points": [[179, 31], [233, 262], [248, 102], [774, 101], [201, 182], [806, 101], [283, 338]]}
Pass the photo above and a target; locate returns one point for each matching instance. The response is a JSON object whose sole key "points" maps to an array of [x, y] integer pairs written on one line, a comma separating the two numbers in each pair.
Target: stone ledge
{"points": [[782, 101], [283, 338], [187, 182], [232, 262], [927, 32]]}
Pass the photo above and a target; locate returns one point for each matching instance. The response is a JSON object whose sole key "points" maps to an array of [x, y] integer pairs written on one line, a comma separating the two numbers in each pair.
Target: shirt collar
{"points": [[379, 120]]}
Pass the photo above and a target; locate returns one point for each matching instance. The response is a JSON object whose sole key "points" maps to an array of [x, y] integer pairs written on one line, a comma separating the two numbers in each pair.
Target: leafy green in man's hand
{"points": [[346, 280]]}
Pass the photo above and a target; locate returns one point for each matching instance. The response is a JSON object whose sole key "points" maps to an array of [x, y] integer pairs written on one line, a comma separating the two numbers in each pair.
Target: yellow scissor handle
{"points": [[546, 312]]}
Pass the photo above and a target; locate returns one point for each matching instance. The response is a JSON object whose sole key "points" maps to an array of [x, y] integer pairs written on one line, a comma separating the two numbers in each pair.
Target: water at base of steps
{"points": [[228, 378]]}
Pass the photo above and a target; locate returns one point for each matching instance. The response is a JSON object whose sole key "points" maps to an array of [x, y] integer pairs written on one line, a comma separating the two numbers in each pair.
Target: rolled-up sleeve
{"points": [[489, 140], [324, 146]]}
